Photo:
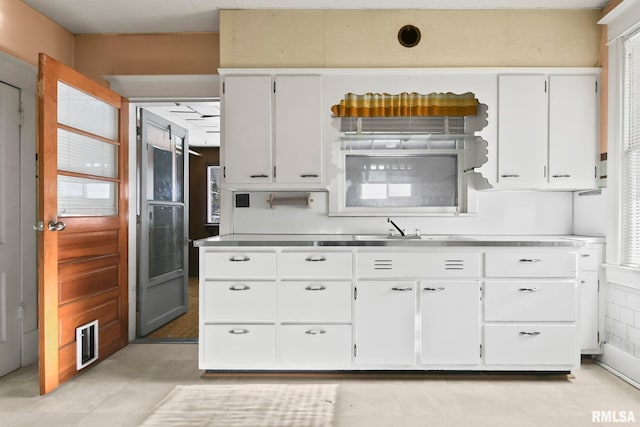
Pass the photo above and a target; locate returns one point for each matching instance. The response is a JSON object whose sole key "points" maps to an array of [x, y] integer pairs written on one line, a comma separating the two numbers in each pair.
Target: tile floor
{"points": [[123, 390]]}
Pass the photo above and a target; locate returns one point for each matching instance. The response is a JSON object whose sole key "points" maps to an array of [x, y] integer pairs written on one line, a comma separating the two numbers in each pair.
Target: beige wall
{"points": [[368, 38], [97, 55], [24, 33]]}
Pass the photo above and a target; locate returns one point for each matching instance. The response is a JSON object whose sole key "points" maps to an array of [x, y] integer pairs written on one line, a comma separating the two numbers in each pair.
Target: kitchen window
{"points": [[630, 165]]}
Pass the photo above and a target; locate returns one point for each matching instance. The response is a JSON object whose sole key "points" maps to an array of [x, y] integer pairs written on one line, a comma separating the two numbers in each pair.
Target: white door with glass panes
{"points": [[385, 323], [298, 135], [450, 323], [246, 130], [573, 131], [522, 131]]}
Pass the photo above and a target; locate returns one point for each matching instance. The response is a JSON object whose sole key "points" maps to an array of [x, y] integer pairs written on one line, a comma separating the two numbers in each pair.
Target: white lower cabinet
{"points": [[315, 346], [450, 323], [531, 344], [385, 322], [239, 345]]}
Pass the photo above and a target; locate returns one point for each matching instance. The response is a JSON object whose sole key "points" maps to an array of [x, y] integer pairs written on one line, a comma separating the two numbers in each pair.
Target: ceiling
{"points": [[169, 16]]}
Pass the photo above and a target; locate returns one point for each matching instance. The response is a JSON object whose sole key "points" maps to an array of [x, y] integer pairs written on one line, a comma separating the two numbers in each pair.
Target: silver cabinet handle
{"points": [[315, 288], [309, 175], [260, 175], [239, 287], [510, 175], [529, 289], [402, 289], [582, 282], [585, 255], [561, 176], [531, 334], [315, 258], [315, 332], [530, 260], [237, 258], [56, 226], [239, 331], [438, 289]]}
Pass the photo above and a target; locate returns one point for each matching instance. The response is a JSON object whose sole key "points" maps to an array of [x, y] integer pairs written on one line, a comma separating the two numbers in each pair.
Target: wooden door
{"points": [[83, 203]]}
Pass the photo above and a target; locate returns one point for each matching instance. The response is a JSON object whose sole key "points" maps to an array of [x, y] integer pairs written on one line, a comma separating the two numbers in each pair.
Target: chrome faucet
{"points": [[389, 220]]}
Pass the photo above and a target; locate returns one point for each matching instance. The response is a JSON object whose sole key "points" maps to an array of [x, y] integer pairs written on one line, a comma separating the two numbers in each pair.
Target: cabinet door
{"points": [[522, 131], [246, 142], [298, 129], [573, 131], [450, 320], [588, 287], [385, 323]]}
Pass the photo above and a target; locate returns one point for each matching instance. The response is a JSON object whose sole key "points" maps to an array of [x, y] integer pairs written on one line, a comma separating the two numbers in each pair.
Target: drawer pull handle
{"points": [[530, 334], [316, 288], [239, 331], [585, 255], [530, 260], [309, 175], [239, 287], [561, 176], [510, 175], [438, 289], [260, 175], [315, 332], [315, 258], [529, 289], [402, 289], [242, 258]]}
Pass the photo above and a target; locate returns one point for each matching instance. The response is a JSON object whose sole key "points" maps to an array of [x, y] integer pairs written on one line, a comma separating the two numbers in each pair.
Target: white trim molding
{"points": [[621, 364]]}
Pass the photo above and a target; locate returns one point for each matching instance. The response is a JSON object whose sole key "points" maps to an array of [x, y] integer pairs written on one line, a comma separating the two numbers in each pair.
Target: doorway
{"points": [[200, 119]]}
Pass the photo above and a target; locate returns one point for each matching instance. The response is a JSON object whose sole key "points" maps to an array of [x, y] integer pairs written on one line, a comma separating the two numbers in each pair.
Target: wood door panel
{"points": [[105, 313], [82, 270], [75, 245], [79, 280]]}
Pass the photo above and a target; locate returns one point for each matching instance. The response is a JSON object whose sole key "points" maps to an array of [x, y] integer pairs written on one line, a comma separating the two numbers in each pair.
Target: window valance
{"points": [[406, 105]]}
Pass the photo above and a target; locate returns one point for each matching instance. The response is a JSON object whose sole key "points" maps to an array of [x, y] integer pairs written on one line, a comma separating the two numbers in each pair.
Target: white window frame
{"points": [[621, 22]]}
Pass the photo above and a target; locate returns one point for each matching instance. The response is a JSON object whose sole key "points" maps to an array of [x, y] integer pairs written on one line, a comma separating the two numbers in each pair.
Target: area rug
{"points": [[246, 405]]}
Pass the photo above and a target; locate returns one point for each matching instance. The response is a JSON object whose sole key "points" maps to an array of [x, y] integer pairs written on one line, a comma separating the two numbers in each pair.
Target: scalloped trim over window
{"points": [[406, 105]]}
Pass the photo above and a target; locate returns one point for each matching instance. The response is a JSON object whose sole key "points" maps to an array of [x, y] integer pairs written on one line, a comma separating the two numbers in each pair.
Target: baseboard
{"points": [[621, 364]]}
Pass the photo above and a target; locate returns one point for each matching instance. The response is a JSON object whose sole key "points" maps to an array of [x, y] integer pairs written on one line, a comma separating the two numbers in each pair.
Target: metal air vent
{"points": [[383, 264], [454, 264]]}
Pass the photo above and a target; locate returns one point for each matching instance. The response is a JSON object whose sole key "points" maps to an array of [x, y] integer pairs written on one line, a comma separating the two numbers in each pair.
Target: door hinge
{"points": [[138, 131], [224, 171], [480, 350], [545, 86], [598, 337], [20, 115], [355, 293], [355, 350], [595, 171], [21, 311], [223, 87], [274, 172], [274, 87], [598, 285], [596, 86]]}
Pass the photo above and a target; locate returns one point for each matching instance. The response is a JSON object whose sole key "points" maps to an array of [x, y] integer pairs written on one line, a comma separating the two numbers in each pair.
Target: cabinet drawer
{"points": [[312, 265], [530, 301], [315, 346], [239, 301], [530, 264], [238, 345], [588, 259], [530, 344], [314, 301], [237, 264]]}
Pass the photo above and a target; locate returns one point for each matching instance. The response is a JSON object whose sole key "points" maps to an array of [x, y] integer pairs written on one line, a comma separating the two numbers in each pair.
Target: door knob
{"points": [[56, 226]]}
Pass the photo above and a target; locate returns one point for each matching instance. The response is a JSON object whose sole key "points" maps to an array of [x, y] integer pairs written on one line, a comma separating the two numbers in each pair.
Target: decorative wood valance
{"points": [[406, 105]]}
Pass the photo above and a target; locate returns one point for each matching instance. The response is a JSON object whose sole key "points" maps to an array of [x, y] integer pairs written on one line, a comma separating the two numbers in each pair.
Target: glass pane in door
{"points": [[166, 239], [86, 197]]}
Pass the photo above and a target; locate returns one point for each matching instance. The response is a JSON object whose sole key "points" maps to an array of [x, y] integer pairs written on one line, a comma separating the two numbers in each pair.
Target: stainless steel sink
{"points": [[408, 237]]}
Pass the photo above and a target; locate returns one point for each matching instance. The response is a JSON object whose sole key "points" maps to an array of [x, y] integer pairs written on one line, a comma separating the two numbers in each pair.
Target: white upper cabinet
{"points": [[272, 129], [547, 131], [247, 129], [522, 131], [298, 136], [573, 131]]}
